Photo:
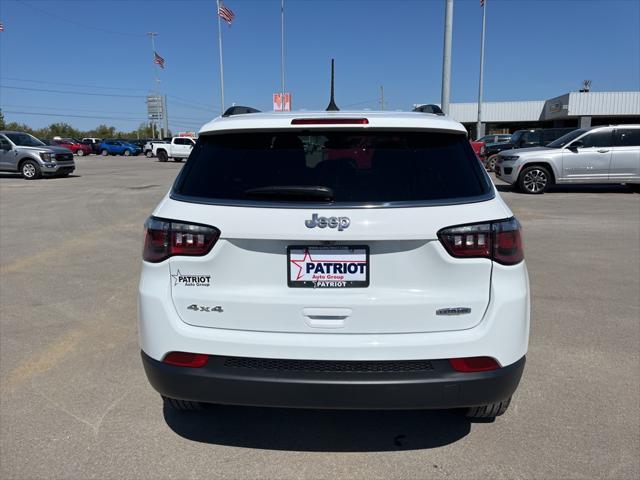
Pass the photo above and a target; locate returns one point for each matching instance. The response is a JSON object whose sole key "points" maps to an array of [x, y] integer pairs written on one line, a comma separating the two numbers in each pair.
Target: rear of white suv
{"points": [[334, 260]]}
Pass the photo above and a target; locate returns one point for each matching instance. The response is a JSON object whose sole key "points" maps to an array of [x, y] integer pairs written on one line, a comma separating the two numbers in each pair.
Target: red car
{"points": [[477, 146], [76, 147]]}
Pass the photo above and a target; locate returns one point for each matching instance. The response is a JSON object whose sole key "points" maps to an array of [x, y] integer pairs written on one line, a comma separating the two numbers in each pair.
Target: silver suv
{"points": [[24, 153], [596, 155]]}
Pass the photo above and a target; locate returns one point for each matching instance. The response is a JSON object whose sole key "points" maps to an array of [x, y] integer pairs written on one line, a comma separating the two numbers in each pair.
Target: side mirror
{"points": [[6, 146], [575, 146]]}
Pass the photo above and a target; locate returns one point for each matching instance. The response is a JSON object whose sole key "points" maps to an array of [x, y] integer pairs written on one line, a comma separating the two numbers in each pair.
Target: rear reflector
{"points": [[330, 121], [184, 359], [166, 238], [473, 364], [500, 241]]}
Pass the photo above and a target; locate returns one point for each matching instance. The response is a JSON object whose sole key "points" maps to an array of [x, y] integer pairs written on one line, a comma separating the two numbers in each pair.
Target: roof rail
{"points": [[429, 108], [239, 110]]}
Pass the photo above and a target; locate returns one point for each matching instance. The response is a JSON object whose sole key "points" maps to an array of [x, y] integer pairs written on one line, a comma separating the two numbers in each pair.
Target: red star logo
{"points": [[307, 255]]}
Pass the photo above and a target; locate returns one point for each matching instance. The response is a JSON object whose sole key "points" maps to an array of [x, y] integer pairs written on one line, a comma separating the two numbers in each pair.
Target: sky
{"points": [[97, 51]]}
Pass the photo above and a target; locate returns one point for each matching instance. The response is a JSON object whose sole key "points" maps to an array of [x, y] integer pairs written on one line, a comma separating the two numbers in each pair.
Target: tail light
{"points": [[474, 364], [500, 241], [166, 238], [185, 359]]}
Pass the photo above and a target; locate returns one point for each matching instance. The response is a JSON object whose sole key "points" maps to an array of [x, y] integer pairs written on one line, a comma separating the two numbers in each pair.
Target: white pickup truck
{"points": [[177, 150]]}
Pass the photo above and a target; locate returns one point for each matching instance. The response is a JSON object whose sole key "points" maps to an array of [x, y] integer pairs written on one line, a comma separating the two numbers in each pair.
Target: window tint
{"points": [[602, 138], [359, 167], [4, 142], [532, 138], [627, 137]]}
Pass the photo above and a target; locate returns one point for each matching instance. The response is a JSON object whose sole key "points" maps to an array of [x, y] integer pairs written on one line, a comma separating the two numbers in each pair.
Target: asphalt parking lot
{"points": [[75, 403]]}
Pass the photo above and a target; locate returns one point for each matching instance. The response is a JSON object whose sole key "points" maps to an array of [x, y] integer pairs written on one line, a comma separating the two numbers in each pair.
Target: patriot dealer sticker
{"points": [[335, 266]]}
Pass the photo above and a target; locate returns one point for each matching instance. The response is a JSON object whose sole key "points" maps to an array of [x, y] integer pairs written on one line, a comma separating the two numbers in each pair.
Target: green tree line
{"points": [[62, 129]]}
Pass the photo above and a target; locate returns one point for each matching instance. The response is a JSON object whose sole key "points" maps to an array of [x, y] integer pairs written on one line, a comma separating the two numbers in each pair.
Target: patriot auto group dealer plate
{"points": [[334, 266]]}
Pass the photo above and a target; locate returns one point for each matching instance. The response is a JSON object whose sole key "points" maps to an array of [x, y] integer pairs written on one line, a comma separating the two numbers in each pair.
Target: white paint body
{"points": [[394, 318]]}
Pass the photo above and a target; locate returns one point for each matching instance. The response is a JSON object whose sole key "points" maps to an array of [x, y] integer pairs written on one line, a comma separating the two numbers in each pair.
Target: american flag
{"points": [[482, 3], [226, 14], [1, 27], [158, 60]]}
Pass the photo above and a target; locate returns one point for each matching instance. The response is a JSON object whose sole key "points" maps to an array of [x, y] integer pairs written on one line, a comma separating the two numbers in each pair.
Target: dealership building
{"points": [[575, 109]]}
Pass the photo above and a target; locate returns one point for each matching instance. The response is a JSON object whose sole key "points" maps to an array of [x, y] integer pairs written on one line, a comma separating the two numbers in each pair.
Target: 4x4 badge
{"points": [[332, 222]]}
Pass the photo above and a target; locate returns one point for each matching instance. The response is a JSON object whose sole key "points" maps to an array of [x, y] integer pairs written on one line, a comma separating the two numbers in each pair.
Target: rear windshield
{"points": [[355, 167]]}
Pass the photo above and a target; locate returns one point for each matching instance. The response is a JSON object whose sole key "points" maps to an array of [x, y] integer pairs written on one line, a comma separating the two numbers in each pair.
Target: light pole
{"points": [[446, 60]]}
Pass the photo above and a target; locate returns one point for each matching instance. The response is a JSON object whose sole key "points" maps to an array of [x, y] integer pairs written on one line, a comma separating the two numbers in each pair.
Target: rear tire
{"points": [[635, 187], [534, 180], [489, 411], [104, 153], [80, 153], [126, 153], [162, 156], [30, 170], [182, 405], [149, 154]]}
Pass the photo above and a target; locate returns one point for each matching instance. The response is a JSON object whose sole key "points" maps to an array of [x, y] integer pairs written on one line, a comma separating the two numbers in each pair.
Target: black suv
{"points": [[522, 139]]}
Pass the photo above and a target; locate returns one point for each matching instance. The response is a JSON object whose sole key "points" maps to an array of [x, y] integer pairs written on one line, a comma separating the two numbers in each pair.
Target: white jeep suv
{"points": [[334, 260]]}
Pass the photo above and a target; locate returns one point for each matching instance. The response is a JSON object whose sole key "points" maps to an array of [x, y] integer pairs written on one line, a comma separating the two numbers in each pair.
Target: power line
{"points": [[137, 119], [78, 24], [71, 84], [72, 92]]}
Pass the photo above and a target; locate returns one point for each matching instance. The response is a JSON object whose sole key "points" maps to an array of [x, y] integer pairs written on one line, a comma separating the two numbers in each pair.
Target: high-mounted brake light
{"points": [[500, 241], [185, 359], [330, 121], [166, 238]]}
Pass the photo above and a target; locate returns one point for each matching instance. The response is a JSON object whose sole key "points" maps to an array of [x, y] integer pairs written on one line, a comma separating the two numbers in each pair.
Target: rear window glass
{"points": [[357, 167]]}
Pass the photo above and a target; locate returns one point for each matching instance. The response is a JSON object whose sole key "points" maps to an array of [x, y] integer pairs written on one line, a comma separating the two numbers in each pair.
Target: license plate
{"points": [[331, 266]]}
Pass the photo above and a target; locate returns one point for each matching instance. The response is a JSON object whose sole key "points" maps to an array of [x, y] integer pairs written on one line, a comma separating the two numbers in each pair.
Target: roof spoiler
{"points": [[429, 108], [239, 110]]}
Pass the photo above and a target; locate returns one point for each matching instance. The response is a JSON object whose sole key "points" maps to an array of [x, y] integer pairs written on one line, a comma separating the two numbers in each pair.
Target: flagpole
{"points": [[479, 126], [282, 45], [221, 66], [152, 35]]}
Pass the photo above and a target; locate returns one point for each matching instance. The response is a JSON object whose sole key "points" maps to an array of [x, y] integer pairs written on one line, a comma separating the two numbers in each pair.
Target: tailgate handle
{"points": [[326, 317]]}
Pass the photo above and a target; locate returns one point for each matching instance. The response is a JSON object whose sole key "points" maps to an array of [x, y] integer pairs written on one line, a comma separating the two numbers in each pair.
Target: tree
{"points": [[2, 125]]}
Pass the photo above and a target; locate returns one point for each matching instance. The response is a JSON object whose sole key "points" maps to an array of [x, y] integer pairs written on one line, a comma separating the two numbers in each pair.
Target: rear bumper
{"points": [[226, 380]]}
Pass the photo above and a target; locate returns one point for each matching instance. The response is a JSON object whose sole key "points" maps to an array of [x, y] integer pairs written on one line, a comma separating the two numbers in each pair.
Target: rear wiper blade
{"points": [[297, 192]]}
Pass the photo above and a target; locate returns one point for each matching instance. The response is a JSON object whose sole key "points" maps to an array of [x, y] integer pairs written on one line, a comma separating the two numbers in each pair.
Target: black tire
{"points": [[178, 160], [489, 411], [162, 156], [182, 405], [491, 163], [30, 170], [635, 187], [149, 154], [534, 180], [104, 152], [126, 153], [80, 152]]}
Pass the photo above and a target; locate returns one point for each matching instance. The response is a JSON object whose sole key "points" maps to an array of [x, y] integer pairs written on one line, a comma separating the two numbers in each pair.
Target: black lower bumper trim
{"points": [[437, 387]]}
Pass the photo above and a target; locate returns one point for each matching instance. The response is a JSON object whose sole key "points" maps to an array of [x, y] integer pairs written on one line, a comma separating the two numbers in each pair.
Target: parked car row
{"points": [[519, 139]]}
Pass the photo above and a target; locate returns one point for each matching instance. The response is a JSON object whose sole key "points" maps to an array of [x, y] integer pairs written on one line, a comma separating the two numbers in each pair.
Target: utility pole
{"points": [[382, 97], [446, 60], [479, 125], [165, 115]]}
